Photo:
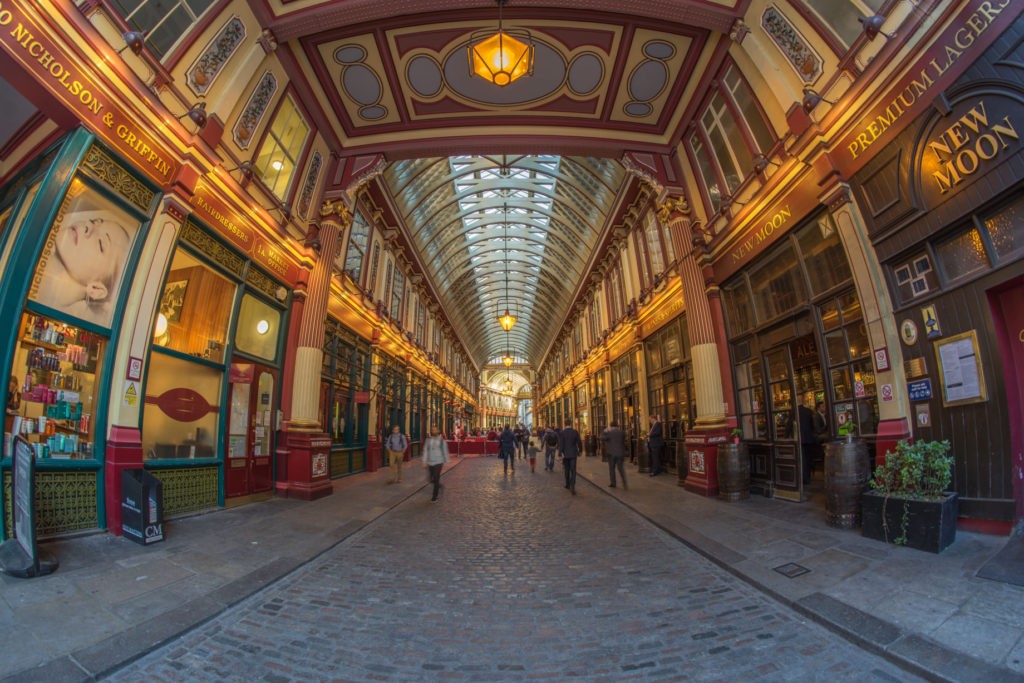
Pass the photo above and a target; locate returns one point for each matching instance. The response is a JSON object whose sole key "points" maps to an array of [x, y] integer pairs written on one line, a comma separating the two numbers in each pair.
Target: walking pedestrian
{"points": [[435, 456], [615, 449], [550, 448], [507, 449], [535, 445], [396, 445], [655, 442], [570, 444]]}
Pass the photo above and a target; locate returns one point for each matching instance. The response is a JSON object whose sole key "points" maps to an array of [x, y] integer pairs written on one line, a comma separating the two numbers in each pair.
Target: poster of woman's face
{"points": [[82, 264]]}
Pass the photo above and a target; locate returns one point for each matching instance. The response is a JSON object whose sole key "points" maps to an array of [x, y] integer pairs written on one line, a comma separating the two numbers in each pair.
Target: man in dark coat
{"points": [[655, 442], [615, 449], [507, 446], [570, 444]]}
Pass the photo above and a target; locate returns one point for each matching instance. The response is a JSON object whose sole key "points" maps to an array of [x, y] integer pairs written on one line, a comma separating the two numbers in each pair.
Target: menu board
{"points": [[960, 369], [24, 495]]}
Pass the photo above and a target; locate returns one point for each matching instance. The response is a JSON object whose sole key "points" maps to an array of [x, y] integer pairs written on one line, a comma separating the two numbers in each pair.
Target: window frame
{"points": [[301, 150]]}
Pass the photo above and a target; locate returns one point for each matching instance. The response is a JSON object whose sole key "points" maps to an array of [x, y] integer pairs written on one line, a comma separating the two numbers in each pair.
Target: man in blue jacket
{"points": [[570, 444]]}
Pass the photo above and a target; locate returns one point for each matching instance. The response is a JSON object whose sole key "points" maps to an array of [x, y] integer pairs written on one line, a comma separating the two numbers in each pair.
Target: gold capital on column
{"points": [[671, 206], [336, 207]]}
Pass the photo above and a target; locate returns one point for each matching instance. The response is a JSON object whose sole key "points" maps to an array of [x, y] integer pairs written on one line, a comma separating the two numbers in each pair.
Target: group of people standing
{"points": [[551, 441]]}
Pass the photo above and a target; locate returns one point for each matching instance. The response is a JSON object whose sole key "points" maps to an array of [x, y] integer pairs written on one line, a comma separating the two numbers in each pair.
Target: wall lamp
{"points": [[246, 168], [873, 26], [134, 41], [196, 114], [812, 99], [761, 164]]}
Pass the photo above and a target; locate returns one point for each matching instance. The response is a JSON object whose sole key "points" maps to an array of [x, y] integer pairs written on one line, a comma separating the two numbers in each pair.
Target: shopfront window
{"points": [[851, 370], [82, 265], [962, 255], [183, 409], [195, 309], [752, 416], [841, 17], [739, 307], [52, 393], [258, 326]]}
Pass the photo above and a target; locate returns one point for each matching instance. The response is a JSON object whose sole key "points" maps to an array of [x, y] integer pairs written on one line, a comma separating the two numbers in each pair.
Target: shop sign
{"points": [[966, 36], [975, 137], [233, 225], [241, 373], [920, 390], [931, 322], [361, 396], [50, 65]]}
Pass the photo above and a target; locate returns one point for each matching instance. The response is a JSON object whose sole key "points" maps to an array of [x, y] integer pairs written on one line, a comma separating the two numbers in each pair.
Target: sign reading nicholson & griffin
{"points": [[80, 91]]}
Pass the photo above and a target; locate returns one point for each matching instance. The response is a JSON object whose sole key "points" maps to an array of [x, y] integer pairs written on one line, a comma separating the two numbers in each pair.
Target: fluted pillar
{"points": [[309, 354], [305, 449], [710, 430]]}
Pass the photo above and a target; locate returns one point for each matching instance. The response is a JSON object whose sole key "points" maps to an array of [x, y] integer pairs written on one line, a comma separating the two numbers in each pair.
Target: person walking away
{"points": [[524, 440], [615, 449], [534, 446], [435, 456], [507, 449], [808, 439], [396, 444], [570, 444], [550, 447], [655, 442]]}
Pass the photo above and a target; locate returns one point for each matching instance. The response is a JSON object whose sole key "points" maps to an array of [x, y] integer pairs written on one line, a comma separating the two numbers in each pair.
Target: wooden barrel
{"points": [[847, 471], [733, 472]]}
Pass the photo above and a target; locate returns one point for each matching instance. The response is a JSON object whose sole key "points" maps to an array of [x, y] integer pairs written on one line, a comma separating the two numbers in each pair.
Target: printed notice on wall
{"points": [[960, 369]]}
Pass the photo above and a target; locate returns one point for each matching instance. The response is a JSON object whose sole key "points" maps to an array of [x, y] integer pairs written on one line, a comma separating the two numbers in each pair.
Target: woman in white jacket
{"points": [[435, 456]]}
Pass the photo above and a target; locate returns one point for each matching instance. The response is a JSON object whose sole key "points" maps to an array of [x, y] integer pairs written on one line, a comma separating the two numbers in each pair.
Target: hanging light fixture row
{"points": [[501, 57], [506, 319]]}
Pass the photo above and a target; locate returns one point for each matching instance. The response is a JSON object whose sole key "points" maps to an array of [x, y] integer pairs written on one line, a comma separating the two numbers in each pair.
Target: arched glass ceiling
{"points": [[479, 222]]}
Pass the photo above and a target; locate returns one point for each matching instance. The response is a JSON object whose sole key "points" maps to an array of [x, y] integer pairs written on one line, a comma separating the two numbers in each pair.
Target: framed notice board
{"points": [[960, 372]]}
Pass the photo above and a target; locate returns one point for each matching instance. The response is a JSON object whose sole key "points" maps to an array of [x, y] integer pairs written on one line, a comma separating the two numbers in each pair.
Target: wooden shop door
{"points": [[250, 430]]}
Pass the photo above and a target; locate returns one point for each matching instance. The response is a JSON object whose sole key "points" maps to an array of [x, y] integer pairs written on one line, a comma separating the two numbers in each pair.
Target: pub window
{"points": [[355, 256], [731, 130], [962, 255], [739, 308], [779, 284], [823, 254], [164, 22], [915, 277], [1006, 229], [840, 17], [277, 159]]}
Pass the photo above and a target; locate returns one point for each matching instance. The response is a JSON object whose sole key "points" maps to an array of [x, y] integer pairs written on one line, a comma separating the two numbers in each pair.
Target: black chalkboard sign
{"points": [[24, 497], [20, 556]]}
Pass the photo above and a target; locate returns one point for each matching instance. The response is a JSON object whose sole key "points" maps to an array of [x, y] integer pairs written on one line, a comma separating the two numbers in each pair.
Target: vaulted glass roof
{"points": [[505, 231]]}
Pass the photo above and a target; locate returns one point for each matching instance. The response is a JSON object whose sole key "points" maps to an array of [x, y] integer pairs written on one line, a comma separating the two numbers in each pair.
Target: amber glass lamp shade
{"points": [[501, 57], [507, 320]]}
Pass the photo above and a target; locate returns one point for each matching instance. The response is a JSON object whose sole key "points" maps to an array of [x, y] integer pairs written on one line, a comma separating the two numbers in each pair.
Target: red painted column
{"points": [[304, 450], [706, 340]]}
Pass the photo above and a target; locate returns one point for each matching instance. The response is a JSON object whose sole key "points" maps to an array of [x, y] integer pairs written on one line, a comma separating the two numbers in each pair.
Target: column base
{"points": [[123, 451], [303, 465], [889, 432], [702, 458]]}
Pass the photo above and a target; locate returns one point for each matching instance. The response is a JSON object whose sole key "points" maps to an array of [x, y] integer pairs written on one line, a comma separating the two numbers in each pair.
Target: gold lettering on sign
{"points": [[271, 258], [973, 27], [756, 239], [964, 145]]}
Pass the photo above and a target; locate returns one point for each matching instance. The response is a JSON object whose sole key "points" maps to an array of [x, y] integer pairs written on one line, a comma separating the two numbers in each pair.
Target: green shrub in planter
{"points": [[916, 475]]}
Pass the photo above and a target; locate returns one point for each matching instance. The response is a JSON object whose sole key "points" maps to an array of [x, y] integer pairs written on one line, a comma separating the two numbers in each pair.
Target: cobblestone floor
{"points": [[510, 579]]}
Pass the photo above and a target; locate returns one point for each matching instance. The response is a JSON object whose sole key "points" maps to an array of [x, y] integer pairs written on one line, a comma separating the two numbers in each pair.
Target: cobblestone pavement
{"points": [[509, 579]]}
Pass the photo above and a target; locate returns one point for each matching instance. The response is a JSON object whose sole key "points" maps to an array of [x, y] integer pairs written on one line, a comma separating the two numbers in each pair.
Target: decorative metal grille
{"points": [[65, 502], [188, 489], [103, 167], [212, 248]]}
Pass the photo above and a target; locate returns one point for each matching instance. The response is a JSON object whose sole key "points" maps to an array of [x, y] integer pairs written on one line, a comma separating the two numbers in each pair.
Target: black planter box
{"points": [[931, 525]]}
